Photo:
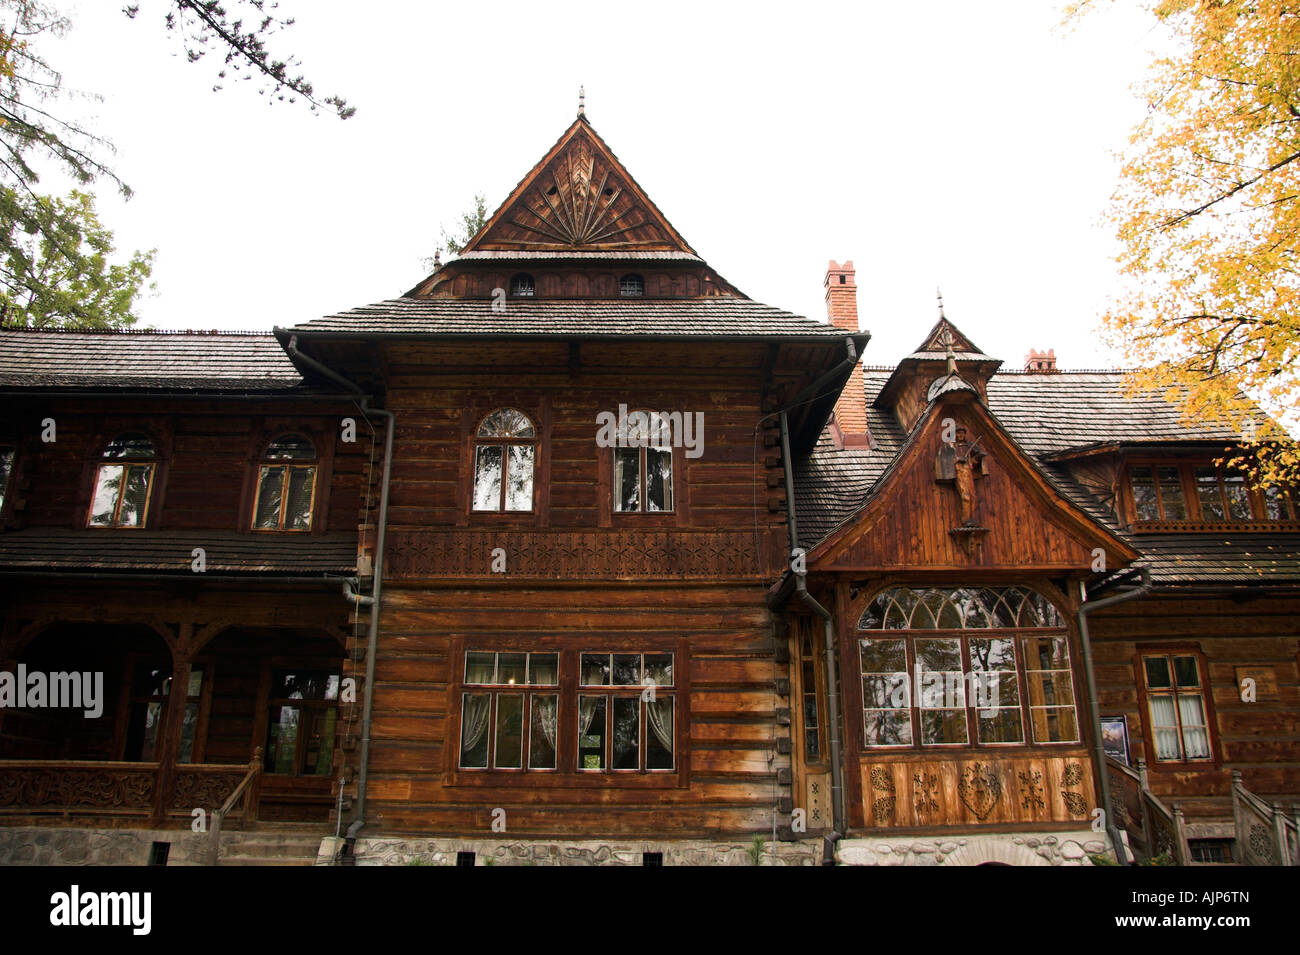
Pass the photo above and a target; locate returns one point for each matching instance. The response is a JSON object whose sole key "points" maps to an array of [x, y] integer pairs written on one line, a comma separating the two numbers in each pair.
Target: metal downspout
{"points": [[832, 670], [376, 590], [1098, 752]]}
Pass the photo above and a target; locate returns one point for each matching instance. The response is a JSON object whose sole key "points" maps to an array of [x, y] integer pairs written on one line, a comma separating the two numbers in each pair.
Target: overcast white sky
{"points": [[969, 145]]}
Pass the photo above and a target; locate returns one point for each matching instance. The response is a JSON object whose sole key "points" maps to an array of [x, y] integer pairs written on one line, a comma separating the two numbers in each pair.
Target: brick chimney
{"points": [[1040, 362], [842, 310]]}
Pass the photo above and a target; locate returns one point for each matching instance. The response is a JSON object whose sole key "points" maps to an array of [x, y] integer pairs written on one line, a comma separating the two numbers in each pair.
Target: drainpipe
{"points": [[1098, 752], [832, 670], [376, 590]]}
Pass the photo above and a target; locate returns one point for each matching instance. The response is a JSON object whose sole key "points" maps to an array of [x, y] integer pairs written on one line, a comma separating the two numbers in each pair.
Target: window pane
{"points": [[291, 447], [519, 471], [188, 728], [297, 515], [884, 656], [1157, 671], [1046, 653], [992, 653], [595, 669], [627, 669], [1171, 494], [129, 447], [318, 738], [135, 496], [591, 732], [282, 739], [487, 477], [146, 720], [1238, 497], [541, 735], [510, 731], [543, 669], [627, 479], [269, 490], [512, 668], [1276, 504], [1050, 688], [476, 708], [943, 726], [659, 733], [1054, 724], [304, 685], [506, 423], [6, 468], [627, 736], [107, 485], [888, 727], [659, 479], [1000, 725], [1164, 725], [480, 667], [659, 667], [1144, 494], [1207, 490], [1196, 737], [1186, 672]]}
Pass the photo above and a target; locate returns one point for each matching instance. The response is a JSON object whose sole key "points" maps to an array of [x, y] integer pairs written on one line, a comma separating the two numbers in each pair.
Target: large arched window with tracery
{"points": [[965, 666]]}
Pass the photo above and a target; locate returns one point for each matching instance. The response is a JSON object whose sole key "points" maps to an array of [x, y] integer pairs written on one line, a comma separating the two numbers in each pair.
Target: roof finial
{"points": [[945, 339], [582, 101], [939, 293], [437, 259]]}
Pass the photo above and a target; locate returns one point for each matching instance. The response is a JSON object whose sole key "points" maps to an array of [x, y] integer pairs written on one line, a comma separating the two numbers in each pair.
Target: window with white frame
{"points": [[504, 454]]}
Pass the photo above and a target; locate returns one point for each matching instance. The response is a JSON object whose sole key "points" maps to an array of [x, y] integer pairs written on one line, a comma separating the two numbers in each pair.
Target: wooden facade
{"points": [[580, 639]]}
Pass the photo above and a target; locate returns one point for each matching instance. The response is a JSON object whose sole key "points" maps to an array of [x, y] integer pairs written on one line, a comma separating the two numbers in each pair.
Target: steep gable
{"points": [[1017, 521], [578, 198]]}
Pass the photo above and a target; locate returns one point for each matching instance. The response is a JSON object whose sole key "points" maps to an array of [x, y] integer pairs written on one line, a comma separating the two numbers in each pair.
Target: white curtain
{"points": [[661, 720], [1164, 723], [586, 711], [1196, 737], [475, 721], [546, 713]]}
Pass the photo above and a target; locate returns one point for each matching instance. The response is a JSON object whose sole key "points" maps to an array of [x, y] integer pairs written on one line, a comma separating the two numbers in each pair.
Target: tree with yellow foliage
{"points": [[1208, 215]]}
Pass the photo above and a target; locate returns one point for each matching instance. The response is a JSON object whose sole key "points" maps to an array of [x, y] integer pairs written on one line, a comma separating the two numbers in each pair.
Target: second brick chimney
{"points": [[1041, 362], [842, 310]]}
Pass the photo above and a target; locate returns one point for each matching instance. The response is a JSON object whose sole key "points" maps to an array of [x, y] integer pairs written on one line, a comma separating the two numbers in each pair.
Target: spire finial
{"points": [[939, 294], [582, 101]]}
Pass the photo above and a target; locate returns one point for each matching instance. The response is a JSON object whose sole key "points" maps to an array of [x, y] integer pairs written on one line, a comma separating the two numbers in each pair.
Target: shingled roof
{"points": [[1046, 414], [171, 552], [719, 317], [41, 360]]}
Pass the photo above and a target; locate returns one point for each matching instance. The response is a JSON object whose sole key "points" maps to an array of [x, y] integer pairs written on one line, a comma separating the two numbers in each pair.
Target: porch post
{"points": [[173, 722]]}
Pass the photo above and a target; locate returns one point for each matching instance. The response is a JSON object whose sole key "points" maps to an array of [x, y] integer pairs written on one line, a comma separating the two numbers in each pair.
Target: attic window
{"points": [[521, 286], [843, 280], [631, 286]]}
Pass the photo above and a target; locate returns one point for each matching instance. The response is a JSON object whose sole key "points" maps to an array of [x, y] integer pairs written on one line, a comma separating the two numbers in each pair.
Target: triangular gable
{"points": [[1020, 522], [578, 198], [935, 340]]}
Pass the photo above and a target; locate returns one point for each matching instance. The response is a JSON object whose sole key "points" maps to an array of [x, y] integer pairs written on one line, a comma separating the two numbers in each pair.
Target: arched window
{"points": [[122, 482], [643, 463], [965, 666], [286, 485], [504, 452], [631, 286], [522, 286]]}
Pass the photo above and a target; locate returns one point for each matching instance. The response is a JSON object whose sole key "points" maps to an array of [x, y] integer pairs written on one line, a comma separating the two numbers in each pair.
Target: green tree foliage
{"points": [[58, 268]]}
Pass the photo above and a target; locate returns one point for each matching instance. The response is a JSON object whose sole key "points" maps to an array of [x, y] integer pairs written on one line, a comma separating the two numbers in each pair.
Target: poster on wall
{"points": [[1114, 737]]}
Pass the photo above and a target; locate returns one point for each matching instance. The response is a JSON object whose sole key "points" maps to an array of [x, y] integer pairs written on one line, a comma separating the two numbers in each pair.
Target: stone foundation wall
{"points": [[30, 845], [1021, 848], [390, 851]]}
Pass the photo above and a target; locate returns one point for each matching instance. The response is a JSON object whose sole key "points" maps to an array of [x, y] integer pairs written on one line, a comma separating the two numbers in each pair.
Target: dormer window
{"points": [[522, 286], [1158, 494], [1197, 494], [1223, 495], [122, 483], [286, 485], [1281, 503], [631, 286]]}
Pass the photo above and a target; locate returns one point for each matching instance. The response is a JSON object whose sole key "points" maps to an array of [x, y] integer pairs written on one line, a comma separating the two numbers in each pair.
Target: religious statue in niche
{"points": [[961, 462]]}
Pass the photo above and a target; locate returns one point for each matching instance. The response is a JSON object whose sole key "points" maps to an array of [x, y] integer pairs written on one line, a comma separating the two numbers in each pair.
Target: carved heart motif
{"points": [[979, 789]]}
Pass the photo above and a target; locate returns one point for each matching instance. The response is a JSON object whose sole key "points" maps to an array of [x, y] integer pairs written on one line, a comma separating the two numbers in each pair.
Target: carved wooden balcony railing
{"points": [[1266, 835], [1153, 828], [124, 790]]}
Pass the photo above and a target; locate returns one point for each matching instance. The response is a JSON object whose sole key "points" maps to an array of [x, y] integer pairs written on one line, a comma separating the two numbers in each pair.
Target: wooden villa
{"points": [[575, 554]]}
